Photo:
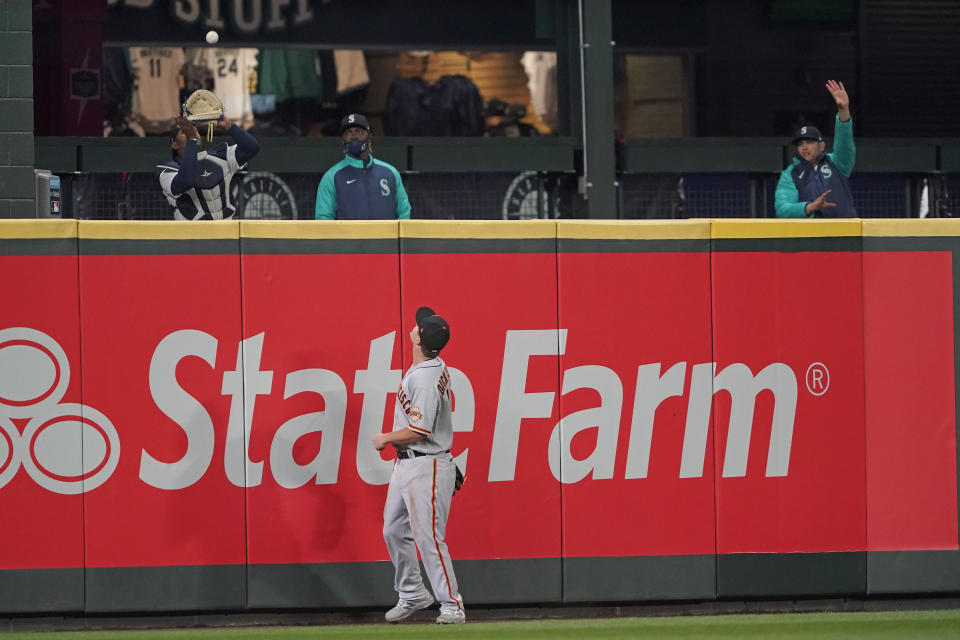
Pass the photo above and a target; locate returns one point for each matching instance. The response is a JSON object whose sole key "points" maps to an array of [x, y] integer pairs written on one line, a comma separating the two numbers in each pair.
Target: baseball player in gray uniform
{"points": [[423, 480]]}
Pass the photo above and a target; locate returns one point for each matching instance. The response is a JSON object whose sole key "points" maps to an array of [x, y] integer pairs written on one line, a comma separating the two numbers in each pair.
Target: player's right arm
{"points": [[785, 198], [399, 438], [186, 177], [326, 207]]}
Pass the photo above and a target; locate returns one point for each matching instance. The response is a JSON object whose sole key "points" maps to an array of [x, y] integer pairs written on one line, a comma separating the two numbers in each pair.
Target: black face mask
{"points": [[356, 147]]}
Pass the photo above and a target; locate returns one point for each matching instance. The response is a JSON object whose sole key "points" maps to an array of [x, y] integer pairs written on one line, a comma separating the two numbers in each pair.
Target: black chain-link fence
{"points": [[512, 196], [286, 196]]}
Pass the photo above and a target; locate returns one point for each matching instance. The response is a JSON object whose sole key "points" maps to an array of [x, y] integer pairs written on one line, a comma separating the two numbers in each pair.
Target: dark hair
{"points": [[429, 353]]}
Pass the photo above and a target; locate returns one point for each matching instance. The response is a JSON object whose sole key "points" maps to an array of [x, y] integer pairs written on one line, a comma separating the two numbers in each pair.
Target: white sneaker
{"points": [[454, 616], [406, 608]]}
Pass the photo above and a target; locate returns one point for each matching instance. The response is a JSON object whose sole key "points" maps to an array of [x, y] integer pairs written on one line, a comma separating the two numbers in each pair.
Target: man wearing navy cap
{"points": [[360, 187], [816, 183]]}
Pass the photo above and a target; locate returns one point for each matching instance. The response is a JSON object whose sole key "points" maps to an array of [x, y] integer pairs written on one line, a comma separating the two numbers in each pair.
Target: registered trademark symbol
{"points": [[818, 378]]}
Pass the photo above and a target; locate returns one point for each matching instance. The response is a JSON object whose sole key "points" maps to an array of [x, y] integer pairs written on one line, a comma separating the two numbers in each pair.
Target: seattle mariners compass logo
{"points": [[262, 195], [527, 198]]}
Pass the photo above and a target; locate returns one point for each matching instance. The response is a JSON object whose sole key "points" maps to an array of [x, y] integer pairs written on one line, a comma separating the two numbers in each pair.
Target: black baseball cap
{"points": [[807, 132], [434, 330], [354, 120]]}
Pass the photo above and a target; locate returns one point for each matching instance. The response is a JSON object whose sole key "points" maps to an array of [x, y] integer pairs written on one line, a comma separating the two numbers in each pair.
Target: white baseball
{"points": [[212, 37]]}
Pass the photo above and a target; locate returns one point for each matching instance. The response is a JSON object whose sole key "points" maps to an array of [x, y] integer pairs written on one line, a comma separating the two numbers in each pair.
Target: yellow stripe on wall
{"points": [[26, 229], [784, 228], [159, 230], [634, 229], [911, 227], [478, 229], [318, 230], [586, 229]]}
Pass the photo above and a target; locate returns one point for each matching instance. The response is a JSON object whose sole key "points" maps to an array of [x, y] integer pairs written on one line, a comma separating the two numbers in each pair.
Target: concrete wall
{"points": [[16, 109]]}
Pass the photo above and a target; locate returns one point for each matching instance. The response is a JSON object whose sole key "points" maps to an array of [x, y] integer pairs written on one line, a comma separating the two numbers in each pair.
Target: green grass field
{"points": [[853, 626]]}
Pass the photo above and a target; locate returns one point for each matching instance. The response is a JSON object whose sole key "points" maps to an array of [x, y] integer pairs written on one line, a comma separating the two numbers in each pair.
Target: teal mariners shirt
{"points": [[350, 190]]}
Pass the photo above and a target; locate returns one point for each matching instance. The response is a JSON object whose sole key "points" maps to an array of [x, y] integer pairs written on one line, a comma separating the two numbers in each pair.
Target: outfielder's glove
{"points": [[203, 106], [458, 482]]}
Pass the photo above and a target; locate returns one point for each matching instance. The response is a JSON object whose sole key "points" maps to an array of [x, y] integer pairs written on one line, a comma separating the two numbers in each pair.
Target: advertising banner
{"points": [[322, 365], [163, 370], [637, 321], [788, 385], [634, 437], [910, 334], [496, 286], [643, 410], [41, 425], [910, 362]]}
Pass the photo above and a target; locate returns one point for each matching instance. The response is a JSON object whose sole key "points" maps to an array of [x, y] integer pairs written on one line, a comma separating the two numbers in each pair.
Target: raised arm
{"points": [[186, 178], [839, 93], [844, 150], [247, 145]]}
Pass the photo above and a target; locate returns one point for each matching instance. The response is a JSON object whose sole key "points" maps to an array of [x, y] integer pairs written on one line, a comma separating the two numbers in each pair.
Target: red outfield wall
{"points": [[644, 410]]}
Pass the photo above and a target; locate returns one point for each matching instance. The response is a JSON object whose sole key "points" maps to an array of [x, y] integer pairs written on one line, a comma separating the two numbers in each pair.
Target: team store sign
{"points": [[35, 373]]}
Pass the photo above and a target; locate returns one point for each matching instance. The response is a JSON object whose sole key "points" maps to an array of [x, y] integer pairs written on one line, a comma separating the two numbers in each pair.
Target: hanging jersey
{"points": [[289, 73], [196, 70], [351, 66], [541, 68], [117, 78], [209, 199], [231, 79], [156, 95]]}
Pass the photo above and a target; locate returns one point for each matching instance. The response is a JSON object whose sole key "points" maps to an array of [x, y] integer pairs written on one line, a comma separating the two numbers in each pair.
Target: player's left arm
{"points": [[403, 203], [844, 153], [247, 145], [326, 204]]}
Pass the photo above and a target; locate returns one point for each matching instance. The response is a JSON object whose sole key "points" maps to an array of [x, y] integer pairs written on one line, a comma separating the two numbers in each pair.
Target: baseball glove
{"points": [[459, 480], [204, 106]]}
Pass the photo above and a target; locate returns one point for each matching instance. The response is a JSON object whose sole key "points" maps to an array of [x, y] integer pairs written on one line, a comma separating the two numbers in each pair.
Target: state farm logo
{"points": [[66, 448], [73, 448], [514, 405]]}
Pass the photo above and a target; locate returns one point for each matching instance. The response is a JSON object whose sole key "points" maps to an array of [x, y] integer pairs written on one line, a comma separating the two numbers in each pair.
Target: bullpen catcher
{"points": [[197, 183]]}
